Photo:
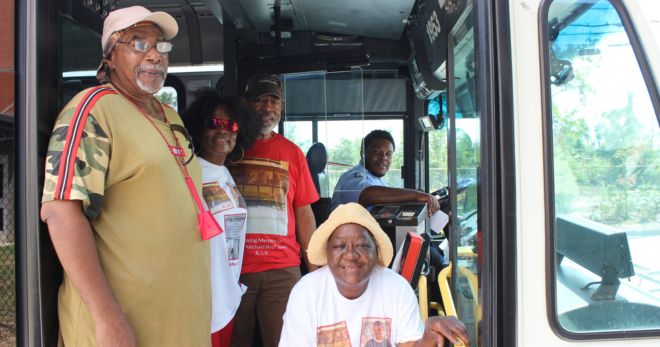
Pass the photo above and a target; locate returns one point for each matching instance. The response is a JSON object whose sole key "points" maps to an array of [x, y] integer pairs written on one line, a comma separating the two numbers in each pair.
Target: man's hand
{"points": [[431, 202], [437, 329], [74, 243], [387, 195], [305, 226]]}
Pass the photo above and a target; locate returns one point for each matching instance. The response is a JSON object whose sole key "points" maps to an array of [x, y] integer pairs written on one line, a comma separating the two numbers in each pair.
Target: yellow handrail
{"points": [[445, 292], [422, 297]]}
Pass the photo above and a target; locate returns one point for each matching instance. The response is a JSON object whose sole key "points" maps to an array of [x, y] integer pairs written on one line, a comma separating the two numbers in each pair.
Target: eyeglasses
{"points": [[225, 124], [144, 46]]}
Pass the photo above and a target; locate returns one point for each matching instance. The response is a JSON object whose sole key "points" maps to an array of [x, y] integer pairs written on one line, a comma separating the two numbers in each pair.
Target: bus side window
{"points": [[606, 176]]}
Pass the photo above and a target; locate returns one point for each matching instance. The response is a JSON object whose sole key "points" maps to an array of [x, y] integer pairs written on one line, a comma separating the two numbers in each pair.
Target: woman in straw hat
{"points": [[343, 302]]}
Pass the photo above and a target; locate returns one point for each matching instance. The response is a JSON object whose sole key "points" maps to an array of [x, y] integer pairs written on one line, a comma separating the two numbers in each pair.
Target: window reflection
{"points": [[465, 128]]}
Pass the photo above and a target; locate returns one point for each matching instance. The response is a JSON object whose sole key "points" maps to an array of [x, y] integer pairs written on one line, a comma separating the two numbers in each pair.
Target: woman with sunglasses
{"points": [[221, 130]]}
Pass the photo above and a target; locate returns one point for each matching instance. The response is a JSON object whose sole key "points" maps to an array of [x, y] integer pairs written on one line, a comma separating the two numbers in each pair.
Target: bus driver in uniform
{"points": [[363, 183]]}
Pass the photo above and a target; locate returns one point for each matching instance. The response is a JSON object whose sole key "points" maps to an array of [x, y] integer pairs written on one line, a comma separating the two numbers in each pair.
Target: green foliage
{"points": [[168, 98], [566, 188], [438, 168], [347, 152], [438, 148], [467, 155], [606, 166], [296, 134], [8, 295]]}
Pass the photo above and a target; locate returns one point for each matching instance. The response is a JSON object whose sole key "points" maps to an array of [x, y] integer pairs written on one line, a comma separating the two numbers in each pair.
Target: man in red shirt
{"points": [[280, 220]]}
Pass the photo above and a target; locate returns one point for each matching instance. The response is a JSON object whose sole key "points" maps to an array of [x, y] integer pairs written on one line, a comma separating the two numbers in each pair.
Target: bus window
{"points": [[168, 95], [344, 139], [606, 174], [464, 133], [305, 106], [81, 54], [301, 133], [329, 108]]}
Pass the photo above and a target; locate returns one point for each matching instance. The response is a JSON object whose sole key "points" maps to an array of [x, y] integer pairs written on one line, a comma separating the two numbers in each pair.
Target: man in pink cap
{"points": [[119, 201]]}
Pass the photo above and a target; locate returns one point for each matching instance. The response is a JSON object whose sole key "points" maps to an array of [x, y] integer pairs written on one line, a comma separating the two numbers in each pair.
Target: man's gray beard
{"points": [[149, 89], [267, 129]]}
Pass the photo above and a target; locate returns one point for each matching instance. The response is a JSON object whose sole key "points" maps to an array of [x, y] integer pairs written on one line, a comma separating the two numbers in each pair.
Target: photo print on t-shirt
{"points": [[233, 227], [334, 335], [264, 184], [237, 195], [376, 332], [216, 198]]}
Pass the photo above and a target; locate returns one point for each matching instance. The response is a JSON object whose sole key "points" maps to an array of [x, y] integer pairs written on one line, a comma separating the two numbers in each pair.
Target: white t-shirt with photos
{"points": [[229, 209], [318, 315]]}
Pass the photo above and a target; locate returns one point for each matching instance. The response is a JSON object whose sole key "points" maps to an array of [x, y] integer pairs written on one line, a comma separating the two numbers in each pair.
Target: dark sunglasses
{"points": [[226, 124]]}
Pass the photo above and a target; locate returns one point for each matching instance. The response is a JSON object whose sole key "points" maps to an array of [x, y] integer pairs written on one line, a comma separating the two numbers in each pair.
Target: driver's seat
{"points": [[317, 159]]}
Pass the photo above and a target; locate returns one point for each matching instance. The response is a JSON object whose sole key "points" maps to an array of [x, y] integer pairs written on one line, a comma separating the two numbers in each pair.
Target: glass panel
{"points": [[344, 146], [300, 133], [465, 131], [304, 98], [606, 158], [7, 140], [81, 53], [305, 105], [169, 96], [328, 107], [344, 129], [438, 166], [312, 99], [81, 50]]}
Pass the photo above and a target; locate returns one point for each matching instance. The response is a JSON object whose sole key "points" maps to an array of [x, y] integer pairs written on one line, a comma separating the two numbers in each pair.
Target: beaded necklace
{"points": [[207, 224]]}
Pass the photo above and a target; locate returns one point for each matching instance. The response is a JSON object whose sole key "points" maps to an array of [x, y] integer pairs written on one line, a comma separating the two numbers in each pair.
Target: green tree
{"points": [[296, 134], [438, 168], [167, 97], [466, 155], [347, 152], [606, 165]]}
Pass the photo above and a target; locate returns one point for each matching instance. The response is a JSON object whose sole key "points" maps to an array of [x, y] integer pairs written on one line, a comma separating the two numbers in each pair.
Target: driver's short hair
{"points": [[374, 135]]}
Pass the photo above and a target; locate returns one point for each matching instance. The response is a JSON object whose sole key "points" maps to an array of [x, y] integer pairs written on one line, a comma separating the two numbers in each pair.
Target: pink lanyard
{"points": [[206, 224]]}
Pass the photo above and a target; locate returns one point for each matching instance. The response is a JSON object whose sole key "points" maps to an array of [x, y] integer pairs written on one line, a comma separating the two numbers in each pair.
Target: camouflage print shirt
{"points": [[143, 218], [87, 154]]}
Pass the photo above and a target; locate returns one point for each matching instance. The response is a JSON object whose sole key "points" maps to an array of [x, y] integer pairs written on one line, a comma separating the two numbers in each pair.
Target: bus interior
{"points": [[538, 122]]}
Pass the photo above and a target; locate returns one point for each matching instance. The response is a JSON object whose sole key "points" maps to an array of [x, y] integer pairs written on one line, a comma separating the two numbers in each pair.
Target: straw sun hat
{"points": [[345, 214]]}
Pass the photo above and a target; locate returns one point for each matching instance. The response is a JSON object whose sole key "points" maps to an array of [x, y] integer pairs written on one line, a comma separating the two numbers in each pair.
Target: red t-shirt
{"points": [[273, 178]]}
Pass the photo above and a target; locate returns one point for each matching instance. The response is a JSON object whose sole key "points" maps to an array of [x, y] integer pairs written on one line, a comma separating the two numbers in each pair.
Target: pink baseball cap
{"points": [[123, 18]]}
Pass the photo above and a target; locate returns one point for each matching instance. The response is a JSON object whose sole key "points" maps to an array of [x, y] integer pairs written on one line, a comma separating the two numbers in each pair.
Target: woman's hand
{"points": [[437, 329]]}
